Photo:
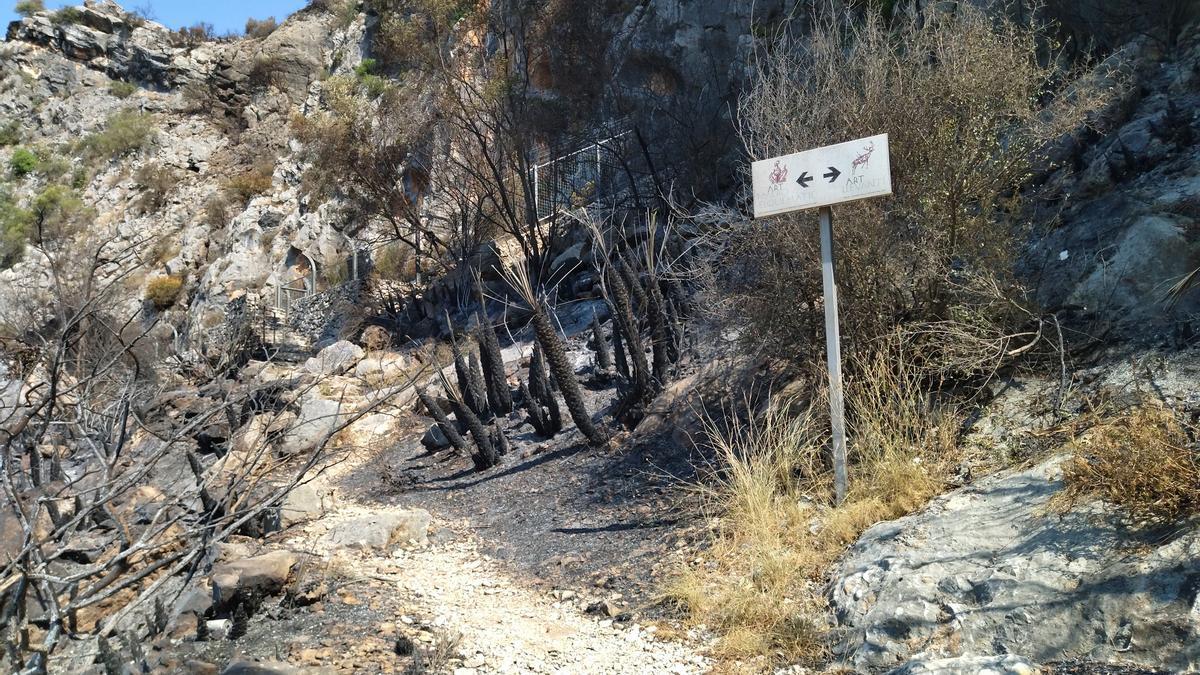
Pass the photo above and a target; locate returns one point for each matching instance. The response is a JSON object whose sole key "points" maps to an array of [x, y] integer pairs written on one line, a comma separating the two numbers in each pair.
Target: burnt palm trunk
{"points": [[472, 394], [443, 421], [542, 390], [636, 294], [556, 356], [499, 395], [478, 386], [635, 352], [660, 338], [537, 417], [486, 456], [622, 362], [600, 345]]}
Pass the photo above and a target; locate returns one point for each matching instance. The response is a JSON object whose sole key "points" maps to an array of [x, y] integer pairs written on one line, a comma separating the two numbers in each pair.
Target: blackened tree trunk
{"points": [[499, 395], [556, 356], [499, 440], [533, 408], [635, 352], [478, 386], [443, 421], [633, 286], [542, 390], [660, 336], [472, 395], [600, 345], [619, 352], [675, 322], [539, 380], [486, 456]]}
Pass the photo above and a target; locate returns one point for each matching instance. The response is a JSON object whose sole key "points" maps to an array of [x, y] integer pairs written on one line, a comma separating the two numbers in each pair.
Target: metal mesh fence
{"points": [[612, 173]]}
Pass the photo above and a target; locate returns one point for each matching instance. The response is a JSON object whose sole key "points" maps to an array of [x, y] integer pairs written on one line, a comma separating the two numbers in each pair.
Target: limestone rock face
{"points": [[970, 665], [1126, 231], [988, 570], [115, 42]]}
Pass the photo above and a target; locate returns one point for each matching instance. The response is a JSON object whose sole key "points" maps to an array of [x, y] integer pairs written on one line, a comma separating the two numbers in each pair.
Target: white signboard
{"points": [[830, 175]]}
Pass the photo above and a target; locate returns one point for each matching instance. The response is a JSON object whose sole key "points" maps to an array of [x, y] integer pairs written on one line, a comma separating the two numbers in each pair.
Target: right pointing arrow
{"points": [[832, 175]]}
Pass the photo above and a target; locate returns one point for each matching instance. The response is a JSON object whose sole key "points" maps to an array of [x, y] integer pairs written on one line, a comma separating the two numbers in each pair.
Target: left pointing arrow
{"points": [[832, 175], [804, 179]]}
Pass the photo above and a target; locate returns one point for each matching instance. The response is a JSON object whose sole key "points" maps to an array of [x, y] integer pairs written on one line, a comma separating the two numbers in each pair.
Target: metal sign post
{"points": [[848, 172], [833, 355]]}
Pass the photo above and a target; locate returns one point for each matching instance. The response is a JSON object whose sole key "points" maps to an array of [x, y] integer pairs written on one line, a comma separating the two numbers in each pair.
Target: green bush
{"points": [[54, 167], [367, 77], [122, 89], [67, 15], [366, 67], [29, 7], [23, 162], [10, 133], [125, 132], [14, 230], [164, 291], [60, 216]]}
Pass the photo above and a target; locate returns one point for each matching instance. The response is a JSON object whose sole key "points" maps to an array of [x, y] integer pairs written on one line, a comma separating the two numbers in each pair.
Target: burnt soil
{"points": [[560, 513]]}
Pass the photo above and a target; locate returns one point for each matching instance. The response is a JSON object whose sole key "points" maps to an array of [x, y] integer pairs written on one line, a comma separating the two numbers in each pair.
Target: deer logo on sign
{"points": [[862, 159], [778, 175]]}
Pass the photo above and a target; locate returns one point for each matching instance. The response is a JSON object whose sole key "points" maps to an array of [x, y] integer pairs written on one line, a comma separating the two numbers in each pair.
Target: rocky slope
{"points": [[984, 571]]}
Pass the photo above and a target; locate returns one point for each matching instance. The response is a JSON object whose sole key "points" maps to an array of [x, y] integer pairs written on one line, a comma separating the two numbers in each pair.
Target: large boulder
{"points": [[335, 359], [303, 503], [261, 575], [383, 369], [989, 569], [318, 418]]}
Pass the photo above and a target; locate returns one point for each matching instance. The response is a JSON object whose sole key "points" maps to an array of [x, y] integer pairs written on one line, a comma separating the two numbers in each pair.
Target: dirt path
{"points": [[467, 612], [504, 627]]}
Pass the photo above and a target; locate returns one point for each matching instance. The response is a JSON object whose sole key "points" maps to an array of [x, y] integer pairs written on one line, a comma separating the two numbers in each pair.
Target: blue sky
{"points": [[225, 15]]}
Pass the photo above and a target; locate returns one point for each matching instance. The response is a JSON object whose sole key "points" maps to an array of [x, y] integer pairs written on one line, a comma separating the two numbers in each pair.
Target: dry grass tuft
{"points": [[777, 531], [163, 291], [1143, 460]]}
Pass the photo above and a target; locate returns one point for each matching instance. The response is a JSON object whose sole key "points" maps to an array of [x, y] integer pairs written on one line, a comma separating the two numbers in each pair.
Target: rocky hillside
{"points": [[275, 395]]}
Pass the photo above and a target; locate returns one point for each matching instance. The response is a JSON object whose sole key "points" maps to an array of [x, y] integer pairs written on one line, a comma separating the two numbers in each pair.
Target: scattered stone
{"points": [[1008, 664], [244, 667], [609, 608], [261, 575], [302, 504], [195, 667], [218, 629], [375, 338], [380, 530]]}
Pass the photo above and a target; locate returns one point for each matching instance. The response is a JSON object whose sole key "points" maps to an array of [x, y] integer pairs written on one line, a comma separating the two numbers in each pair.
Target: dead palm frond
{"points": [[1188, 282]]}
